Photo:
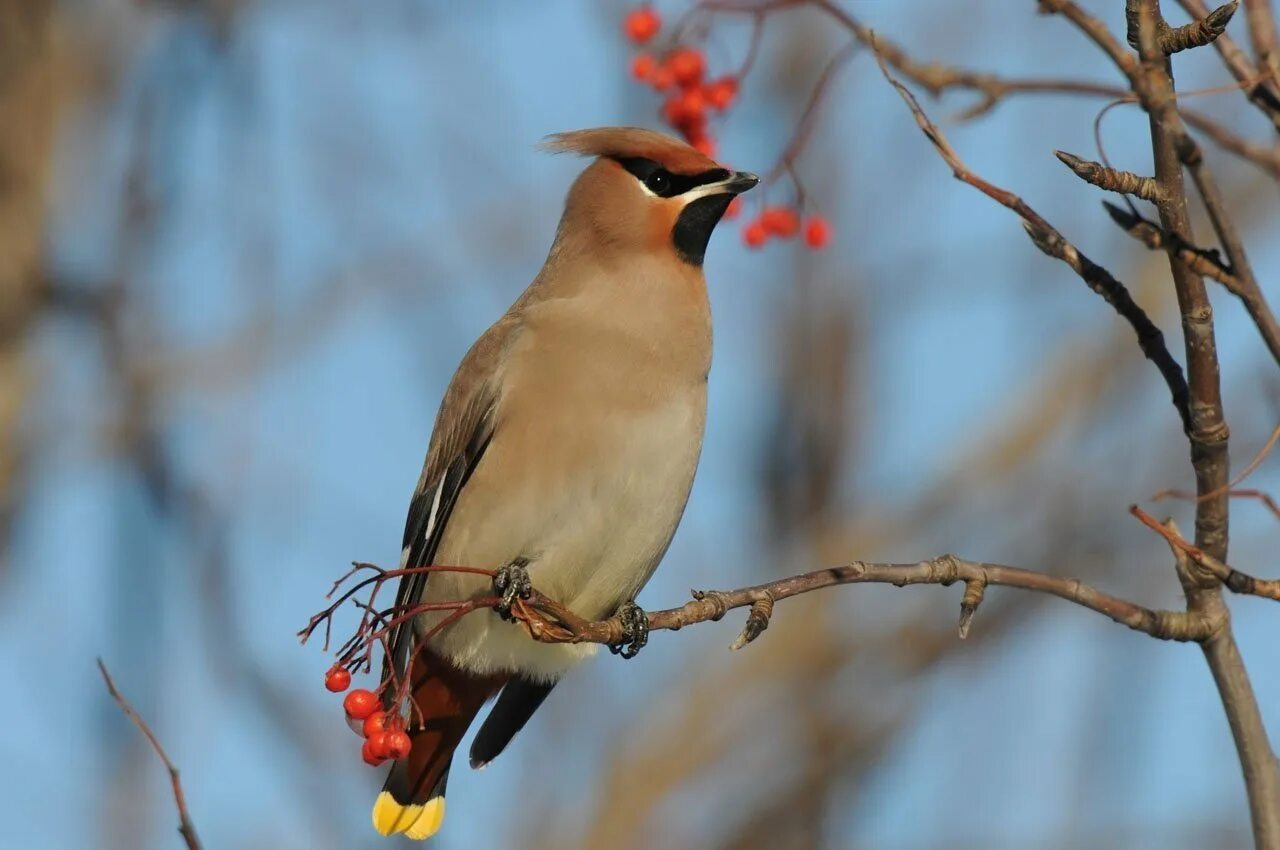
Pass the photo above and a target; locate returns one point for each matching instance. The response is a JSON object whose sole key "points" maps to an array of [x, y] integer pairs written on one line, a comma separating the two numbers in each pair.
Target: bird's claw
{"points": [[635, 630], [512, 582]]}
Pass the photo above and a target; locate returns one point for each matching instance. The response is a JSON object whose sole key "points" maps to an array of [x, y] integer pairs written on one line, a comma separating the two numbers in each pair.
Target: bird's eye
{"points": [[658, 182]]}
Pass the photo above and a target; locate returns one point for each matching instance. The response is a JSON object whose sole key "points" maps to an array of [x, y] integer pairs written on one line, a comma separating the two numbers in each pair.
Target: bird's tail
{"points": [[412, 801]]}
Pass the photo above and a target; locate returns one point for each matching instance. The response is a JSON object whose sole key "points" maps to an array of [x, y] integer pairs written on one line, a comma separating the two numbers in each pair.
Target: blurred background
{"points": [[246, 242]]}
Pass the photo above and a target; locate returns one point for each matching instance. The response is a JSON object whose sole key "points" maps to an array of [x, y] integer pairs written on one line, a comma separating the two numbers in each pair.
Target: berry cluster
{"points": [[679, 74], [784, 223], [384, 734]]}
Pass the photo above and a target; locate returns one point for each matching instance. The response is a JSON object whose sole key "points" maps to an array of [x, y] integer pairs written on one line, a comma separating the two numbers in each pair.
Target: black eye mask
{"points": [[663, 183]]}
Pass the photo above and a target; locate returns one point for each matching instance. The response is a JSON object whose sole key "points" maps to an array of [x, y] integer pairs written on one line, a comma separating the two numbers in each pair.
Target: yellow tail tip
{"points": [[428, 823], [415, 821]]}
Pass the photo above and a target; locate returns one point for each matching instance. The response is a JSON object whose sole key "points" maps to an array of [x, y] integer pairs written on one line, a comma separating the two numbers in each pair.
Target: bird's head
{"points": [[646, 192]]}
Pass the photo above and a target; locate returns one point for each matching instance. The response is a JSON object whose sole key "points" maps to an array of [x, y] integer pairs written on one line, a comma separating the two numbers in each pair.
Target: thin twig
{"points": [[1049, 240], [1235, 580], [1205, 30], [1260, 88], [1204, 261], [1111, 179], [1235, 482], [185, 826]]}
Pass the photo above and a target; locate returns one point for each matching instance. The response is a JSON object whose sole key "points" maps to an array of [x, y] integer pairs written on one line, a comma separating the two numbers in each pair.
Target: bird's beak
{"points": [[735, 184], [738, 183]]}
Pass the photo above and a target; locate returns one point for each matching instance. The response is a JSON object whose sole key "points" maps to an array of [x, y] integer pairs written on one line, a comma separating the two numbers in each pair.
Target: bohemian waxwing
{"points": [[563, 451]]}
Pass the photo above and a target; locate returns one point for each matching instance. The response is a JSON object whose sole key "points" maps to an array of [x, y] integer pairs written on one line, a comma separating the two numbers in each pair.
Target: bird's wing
{"points": [[464, 427]]}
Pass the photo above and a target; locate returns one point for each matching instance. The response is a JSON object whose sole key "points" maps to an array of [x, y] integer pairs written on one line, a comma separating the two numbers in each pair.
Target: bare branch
{"points": [[1259, 87], [1111, 179], [566, 627], [1236, 581], [1204, 261], [1241, 476], [1047, 238], [1198, 33], [1246, 286], [185, 826]]}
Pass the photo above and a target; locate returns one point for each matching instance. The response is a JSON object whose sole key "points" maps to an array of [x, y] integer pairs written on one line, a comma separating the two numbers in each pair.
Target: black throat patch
{"points": [[694, 225]]}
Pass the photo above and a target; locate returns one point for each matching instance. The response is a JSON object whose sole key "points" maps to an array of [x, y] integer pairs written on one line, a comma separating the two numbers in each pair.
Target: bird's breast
{"points": [[593, 456]]}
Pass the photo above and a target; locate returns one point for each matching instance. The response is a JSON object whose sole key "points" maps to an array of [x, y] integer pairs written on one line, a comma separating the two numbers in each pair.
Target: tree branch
{"points": [[1260, 91], [566, 627], [185, 826], [1198, 33], [1111, 179], [1049, 240], [1205, 262]]}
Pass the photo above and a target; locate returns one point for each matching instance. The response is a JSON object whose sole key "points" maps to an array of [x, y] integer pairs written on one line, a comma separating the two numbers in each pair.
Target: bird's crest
{"points": [[627, 142]]}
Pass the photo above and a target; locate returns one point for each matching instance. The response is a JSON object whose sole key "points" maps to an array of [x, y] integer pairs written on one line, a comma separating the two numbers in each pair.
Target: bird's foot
{"points": [[512, 582], [635, 630]]}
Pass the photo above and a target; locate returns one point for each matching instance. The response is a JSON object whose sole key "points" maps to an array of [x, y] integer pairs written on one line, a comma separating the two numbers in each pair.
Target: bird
{"points": [[562, 455]]}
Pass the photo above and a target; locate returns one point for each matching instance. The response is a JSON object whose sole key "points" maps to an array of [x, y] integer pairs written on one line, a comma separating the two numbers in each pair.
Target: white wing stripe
{"points": [[435, 510]]}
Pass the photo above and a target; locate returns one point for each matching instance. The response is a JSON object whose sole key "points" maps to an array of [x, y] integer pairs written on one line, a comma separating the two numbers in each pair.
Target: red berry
{"points": [[817, 233], [720, 94], [360, 703], [755, 234], [685, 111], [662, 78], [781, 221], [377, 722], [734, 209], [338, 679], [378, 744], [705, 145], [687, 66], [644, 66], [398, 745], [641, 25], [672, 110], [370, 757]]}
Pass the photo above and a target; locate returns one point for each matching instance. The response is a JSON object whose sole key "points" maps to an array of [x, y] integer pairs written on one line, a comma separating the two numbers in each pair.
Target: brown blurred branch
{"points": [[185, 826], [1246, 286], [1262, 32], [1236, 581]]}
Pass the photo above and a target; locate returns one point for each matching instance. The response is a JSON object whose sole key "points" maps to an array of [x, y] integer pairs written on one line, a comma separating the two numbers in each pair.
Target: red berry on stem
{"points": [[360, 703], [370, 757], [378, 744], [817, 233], [755, 234], [377, 722], [673, 110], [662, 78], [641, 25], [687, 65], [781, 221], [693, 105], [720, 94], [398, 745], [644, 66], [338, 679]]}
